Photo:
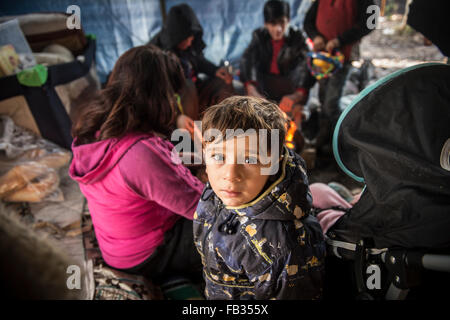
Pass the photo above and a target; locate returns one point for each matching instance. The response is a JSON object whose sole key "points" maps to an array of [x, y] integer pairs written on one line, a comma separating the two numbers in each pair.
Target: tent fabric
{"points": [[121, 24], [392, 138]]}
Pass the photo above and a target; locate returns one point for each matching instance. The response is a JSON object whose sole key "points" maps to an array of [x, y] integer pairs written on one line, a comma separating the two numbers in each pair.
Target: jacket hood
{"points": [[91, 162], [181, 22], [288, 198]]}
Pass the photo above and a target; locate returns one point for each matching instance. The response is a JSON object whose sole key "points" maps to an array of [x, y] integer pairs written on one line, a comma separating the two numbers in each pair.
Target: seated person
{"points": [[335, 25], [141, 202], [182, 35], [253, 226], [274, 64]]}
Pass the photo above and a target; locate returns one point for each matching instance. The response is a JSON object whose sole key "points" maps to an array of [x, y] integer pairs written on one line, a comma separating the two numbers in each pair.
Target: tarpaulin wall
{"points": [[122, 24]]}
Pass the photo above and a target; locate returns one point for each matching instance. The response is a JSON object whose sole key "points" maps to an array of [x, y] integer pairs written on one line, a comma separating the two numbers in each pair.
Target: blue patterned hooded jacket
{"points": [[270, 248]]}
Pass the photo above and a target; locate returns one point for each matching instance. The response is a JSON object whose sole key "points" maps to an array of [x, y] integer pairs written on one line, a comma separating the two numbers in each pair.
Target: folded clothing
{"points": [[325, 198]]}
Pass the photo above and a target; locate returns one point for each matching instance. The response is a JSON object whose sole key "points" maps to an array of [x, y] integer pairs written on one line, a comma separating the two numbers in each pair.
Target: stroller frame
{"points": [[403, 266]]}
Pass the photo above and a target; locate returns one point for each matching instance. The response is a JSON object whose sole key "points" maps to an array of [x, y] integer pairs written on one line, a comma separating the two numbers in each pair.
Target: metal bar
{"points": [[342, 244], [436, 262], [162, 7], [383, 7]]}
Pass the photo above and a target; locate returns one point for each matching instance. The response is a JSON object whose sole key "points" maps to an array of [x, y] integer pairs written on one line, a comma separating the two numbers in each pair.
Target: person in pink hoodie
{"points": [[141, 202]]}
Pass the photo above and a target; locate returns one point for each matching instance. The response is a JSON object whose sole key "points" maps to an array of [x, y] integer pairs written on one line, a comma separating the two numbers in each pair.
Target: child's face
{"points": [[186, 43], [278, 28], [234, 170]]}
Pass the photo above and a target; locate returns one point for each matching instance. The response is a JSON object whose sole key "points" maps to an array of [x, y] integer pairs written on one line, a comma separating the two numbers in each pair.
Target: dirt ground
{"points": [[390, 48]]}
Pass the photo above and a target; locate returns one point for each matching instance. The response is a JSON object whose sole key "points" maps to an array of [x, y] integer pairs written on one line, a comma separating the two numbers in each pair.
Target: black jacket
{"points": [[256, 60], [430, 19], [277, 248], [181, 23]]}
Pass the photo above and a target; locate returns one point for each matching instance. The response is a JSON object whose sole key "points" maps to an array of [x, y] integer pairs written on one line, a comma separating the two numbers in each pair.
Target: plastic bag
{"points": [[11, 34], [29, 165]]}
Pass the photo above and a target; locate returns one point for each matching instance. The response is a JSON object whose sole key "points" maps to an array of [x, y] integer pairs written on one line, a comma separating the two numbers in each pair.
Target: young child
{"points": [[274, 64], [253, 231]]}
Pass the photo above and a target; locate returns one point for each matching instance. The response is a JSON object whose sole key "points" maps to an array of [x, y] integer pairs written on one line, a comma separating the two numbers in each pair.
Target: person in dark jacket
{"points": [[429, 18], [274, 64], [254, 231], [182, 34], [334, 25]]}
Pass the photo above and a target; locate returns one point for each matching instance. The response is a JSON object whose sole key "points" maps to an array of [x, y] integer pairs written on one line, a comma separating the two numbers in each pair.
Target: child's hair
{"points": [[243, 112], [275, 10], [139, 97]]}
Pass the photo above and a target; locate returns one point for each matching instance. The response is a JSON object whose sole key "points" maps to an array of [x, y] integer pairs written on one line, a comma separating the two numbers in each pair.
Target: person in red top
{"points": [[274, 64], [334, 25]]}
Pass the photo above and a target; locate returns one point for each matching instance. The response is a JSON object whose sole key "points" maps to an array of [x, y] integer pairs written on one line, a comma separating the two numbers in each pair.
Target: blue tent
{"points": [[122, 24]]}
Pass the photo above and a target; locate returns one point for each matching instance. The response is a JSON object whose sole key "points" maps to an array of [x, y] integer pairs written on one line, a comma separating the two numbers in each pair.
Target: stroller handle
{"points": [[436, 262]]}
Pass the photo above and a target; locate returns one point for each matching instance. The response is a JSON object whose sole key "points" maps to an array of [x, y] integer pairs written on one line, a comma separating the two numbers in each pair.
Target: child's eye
{"points": [[217, 157], [251, 160]]}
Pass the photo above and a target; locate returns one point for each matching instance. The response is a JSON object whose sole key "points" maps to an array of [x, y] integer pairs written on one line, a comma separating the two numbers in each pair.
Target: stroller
{"points": [[395, 138]]}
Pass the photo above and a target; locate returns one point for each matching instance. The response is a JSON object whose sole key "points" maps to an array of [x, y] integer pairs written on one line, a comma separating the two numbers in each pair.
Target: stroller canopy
{"points": [[395, 137]]}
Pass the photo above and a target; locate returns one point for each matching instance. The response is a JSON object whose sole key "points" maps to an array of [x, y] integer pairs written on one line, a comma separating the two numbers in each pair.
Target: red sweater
{"points": [[276, 48], [334, 18]]}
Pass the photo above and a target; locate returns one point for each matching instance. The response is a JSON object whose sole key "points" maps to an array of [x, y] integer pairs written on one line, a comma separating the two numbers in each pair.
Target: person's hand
{"points": [[332, 44], [356, 199], [286, 103], [253, 92], [297, 113], [318, 43], [186, 123], [223, 74], [289, 100]]}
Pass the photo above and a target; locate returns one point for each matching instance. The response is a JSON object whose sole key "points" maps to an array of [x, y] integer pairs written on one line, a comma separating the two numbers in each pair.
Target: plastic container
{"points": [[11, 34]]}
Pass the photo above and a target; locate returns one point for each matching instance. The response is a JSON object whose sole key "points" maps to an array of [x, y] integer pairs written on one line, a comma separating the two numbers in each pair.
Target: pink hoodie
{"points": [[135, 193]]}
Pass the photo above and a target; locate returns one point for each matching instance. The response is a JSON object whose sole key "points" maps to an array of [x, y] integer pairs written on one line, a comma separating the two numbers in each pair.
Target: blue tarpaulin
{"points": [[122, 24]]}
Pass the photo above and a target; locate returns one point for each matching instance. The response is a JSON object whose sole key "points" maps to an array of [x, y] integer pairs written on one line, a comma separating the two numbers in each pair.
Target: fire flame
{"points": [[290, 135]]}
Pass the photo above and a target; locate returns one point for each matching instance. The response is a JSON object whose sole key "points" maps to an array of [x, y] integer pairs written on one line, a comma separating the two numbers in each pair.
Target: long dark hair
{"points": [[139, 97]]}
